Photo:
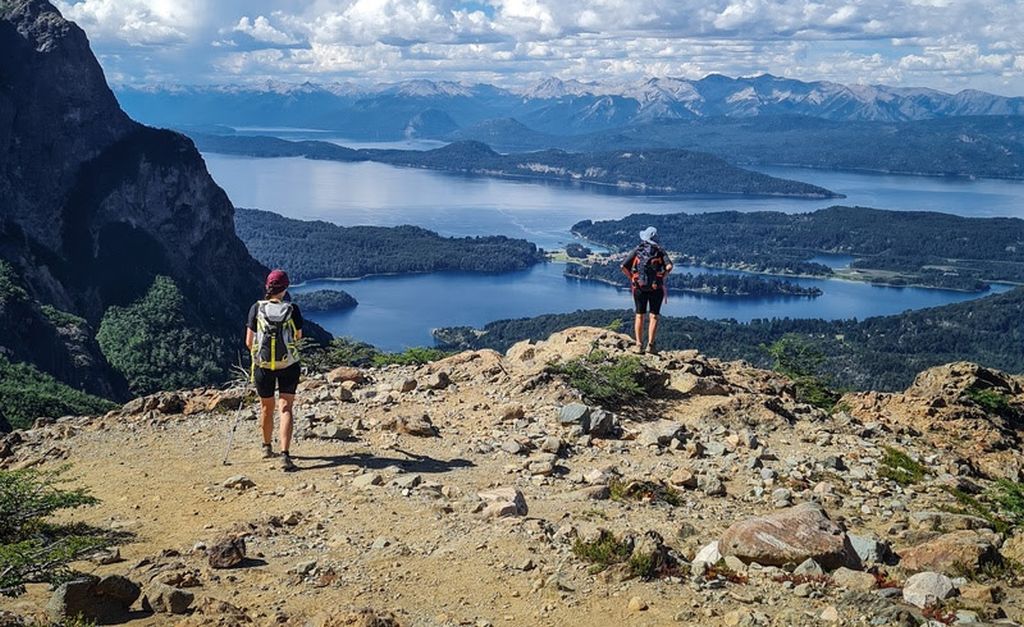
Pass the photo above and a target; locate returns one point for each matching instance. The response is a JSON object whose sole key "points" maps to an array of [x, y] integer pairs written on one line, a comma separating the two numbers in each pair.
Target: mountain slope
{"points": [[384, 111], [96, 206]]}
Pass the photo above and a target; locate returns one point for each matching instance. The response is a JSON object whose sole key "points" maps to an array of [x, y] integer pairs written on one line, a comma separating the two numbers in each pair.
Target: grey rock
{"points": [[928, 588], [808, 567], [104, 600], [870, 550], [164, 599], [603, 424], [367, 480], [575, 414], [660, 433]]}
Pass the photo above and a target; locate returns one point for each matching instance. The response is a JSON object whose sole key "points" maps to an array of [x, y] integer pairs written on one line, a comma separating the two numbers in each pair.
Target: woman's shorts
{"points": [[285, 380], [648, 298]]}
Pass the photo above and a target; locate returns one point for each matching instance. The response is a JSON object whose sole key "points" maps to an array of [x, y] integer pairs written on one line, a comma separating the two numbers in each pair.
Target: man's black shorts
{"points": [[285, 380], [644, 298]]}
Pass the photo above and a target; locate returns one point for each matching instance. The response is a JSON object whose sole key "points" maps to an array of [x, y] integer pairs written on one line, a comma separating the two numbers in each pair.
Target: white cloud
{"points": [[939, 43], [262, 30]]}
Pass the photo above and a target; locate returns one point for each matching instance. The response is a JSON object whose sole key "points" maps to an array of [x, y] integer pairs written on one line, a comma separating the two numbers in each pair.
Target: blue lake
{"points": [[396, 312]]}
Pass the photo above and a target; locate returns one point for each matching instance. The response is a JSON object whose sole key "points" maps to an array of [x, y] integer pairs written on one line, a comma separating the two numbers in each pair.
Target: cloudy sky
{"points": [[946, 44]]}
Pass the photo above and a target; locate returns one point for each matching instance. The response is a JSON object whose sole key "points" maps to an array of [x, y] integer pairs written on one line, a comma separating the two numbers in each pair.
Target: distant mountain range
{"points": [[424, 108]]}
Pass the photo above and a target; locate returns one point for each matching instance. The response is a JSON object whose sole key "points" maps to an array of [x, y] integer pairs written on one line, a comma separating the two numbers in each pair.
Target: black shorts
{"points": [[644, 298], [286, 380]]}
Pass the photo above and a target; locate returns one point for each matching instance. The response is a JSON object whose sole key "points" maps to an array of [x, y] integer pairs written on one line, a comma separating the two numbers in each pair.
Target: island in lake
{"points": [[918, 248], [321, 250], [643, 171], [728, 285]]}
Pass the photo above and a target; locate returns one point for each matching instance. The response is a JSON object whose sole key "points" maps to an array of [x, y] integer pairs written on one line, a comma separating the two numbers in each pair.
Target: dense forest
{"points": [[730, 285], [315, 249], [657, 171], [882, 353], [324, 300], [901, 247]]}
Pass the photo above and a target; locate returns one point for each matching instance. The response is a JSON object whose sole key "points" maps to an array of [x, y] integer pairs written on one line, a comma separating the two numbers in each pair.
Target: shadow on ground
{"points": [[410, 463]]}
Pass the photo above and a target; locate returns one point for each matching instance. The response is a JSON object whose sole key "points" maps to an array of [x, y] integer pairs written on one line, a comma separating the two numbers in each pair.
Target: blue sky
{"points": [[944, 44]]}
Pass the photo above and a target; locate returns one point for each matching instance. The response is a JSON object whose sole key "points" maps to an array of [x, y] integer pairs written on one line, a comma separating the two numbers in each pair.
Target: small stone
{"points": [[660, 433], [636, 604], [407, 482], [712, 486], [437, 381], [511, 413], [603, 424], [870, 550], [239, 482], [365, 481], [709, 554], [830, 614], [380, 543], [551, 444], [856, 580], [407, 385], [683, 478], [503, 502], [928, 588]]}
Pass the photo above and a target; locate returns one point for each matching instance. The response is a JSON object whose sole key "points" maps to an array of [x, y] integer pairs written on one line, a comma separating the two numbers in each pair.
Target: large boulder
{"points": [[103, 600], [951, 552], [502, 502], [790, 537]]}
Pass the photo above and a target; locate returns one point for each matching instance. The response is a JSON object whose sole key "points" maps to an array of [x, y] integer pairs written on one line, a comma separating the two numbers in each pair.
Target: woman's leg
{"points": [[287, 403]]}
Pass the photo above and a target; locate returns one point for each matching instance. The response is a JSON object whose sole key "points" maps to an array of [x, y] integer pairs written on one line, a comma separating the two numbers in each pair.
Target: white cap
{"points": [[650, 234]]}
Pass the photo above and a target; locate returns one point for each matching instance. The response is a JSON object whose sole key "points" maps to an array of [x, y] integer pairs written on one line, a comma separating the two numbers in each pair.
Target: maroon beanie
{"points": [[277, 280]]}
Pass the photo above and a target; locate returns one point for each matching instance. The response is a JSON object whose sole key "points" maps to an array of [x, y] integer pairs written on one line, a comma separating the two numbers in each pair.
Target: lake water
{"points": [[396, 312]]}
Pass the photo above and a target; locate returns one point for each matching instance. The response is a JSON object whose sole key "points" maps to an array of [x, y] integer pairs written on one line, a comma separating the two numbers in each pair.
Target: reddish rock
{"points": [[227, 553], [950, 553], [789, 537], [346, 373]]}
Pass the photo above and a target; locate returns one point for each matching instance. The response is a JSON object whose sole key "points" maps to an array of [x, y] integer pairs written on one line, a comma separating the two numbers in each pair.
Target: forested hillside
{"points": [[315, 249], [898, 247]]}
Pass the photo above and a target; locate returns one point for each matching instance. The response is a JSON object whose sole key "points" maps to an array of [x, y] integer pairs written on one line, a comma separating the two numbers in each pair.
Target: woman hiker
{"points": [[647, 268], [273, 328]]}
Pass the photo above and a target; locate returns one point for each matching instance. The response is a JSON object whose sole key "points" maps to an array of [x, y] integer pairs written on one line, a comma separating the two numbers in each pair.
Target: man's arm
{"points": [[627, 266], [250, 337]]}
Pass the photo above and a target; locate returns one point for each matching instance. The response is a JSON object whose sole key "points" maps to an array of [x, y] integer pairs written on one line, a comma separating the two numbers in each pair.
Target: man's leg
{"points": [[267, 419], [652, 329], [638, 329]]}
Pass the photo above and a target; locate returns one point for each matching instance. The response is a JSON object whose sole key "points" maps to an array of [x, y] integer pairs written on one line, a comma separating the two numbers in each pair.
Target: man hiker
{"points": [[647, 267], [273, 328]]}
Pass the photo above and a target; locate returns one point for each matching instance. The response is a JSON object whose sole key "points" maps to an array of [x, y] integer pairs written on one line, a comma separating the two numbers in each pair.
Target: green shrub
{"points": [[803, 363], [33, 548], [899, 467], [151, 343], [27, 394], [342, 351], [989, 399], [603, 551], [602, 379], [1009, 498], [647, 491], [416, 356]]}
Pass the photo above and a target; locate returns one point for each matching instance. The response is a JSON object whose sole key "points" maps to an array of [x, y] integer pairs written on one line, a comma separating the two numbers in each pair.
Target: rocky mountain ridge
{"points": [[95, 205], [717, 498]]}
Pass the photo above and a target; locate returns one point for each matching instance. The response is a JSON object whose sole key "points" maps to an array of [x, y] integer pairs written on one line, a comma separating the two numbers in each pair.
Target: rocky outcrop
{"points": [[95, 205], [962, 406]]}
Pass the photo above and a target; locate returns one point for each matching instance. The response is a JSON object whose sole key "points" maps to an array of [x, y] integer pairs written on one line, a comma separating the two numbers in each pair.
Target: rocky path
{"points": [[466, 492]]}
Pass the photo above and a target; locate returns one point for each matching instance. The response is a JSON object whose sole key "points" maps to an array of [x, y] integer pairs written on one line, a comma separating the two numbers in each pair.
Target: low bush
{"points": [[602, 379], [33, 547]]}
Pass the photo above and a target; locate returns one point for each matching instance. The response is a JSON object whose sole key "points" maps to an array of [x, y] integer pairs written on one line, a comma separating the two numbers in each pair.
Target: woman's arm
{"points": [[249, 338]]}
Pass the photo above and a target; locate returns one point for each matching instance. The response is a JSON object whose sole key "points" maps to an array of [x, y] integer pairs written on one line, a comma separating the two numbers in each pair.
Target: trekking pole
{"points": [[244, 376]]}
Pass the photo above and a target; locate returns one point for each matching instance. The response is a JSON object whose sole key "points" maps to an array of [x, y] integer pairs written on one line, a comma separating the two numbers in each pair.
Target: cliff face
{"points": [[93, 205]]}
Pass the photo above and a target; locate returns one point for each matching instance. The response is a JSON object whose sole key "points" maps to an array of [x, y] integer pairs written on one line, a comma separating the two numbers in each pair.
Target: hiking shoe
{"points": [[287, 464], [652, 349], [639, 349], [268, 452]]}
